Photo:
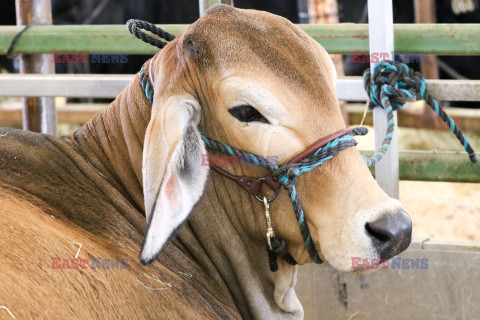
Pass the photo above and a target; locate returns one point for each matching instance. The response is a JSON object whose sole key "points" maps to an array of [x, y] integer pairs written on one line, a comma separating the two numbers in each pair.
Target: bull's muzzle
{"points": [[390, 234]]}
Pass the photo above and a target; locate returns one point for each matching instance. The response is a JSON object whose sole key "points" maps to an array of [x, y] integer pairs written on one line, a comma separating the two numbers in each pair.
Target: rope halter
{"points": [[284, 175], [392, 83]]}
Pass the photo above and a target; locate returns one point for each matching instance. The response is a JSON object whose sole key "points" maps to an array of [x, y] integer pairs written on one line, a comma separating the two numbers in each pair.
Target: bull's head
{"points": [[255, 81]]}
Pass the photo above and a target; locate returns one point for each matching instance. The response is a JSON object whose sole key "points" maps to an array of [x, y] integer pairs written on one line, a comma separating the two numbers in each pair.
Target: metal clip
{"points": [[270, 232]]}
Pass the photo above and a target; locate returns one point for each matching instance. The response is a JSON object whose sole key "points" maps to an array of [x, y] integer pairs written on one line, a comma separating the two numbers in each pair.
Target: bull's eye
{"points": [[246, 113]]}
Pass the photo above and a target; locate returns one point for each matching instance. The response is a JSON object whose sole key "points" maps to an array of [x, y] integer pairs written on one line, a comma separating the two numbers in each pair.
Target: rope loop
{"points": [[391, 85], [134, 26]]}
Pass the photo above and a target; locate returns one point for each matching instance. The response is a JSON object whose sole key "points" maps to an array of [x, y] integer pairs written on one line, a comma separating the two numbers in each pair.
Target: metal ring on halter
{"points": [[268, 200]]}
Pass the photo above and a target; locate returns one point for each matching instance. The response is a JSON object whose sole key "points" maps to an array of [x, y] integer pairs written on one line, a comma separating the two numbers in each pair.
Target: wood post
{"points": [[425, 13], [39, 113]]}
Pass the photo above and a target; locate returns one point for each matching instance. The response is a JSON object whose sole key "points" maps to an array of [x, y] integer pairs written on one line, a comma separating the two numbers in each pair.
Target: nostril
{"points": [[390, 234], [381, 235]]}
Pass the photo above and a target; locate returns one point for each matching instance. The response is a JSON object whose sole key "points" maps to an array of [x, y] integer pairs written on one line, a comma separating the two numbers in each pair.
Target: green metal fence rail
{"points": [[414, 165], [344, 38], [435, 166], [341, 38]]}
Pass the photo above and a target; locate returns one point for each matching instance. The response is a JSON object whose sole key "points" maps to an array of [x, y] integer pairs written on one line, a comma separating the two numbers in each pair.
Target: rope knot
{"points": [[279, 248], [390, 86], [394, 81]]}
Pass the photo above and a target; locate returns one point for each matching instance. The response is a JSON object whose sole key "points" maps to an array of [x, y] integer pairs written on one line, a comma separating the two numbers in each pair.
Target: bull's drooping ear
{"points": [[173, 177]]}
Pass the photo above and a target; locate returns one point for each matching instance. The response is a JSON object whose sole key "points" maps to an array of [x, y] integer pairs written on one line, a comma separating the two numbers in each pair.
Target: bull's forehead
{"points": [[254, 44]]}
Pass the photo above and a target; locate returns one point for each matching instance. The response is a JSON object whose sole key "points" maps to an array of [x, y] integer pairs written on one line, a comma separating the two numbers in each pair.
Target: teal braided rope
{"points": [[287, 174], [393, 83]]}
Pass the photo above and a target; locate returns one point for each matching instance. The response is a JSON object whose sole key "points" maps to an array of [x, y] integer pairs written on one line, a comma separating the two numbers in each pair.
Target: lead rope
{"points": [[394, 83]]}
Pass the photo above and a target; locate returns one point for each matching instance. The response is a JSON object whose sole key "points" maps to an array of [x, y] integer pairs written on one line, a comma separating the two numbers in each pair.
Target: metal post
{"points": [[380, 29], [39, 114], [205, 4], [303, 16]]}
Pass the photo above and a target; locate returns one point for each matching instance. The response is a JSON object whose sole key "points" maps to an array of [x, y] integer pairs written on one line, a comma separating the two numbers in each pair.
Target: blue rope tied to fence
{"points": [[394, 83]]}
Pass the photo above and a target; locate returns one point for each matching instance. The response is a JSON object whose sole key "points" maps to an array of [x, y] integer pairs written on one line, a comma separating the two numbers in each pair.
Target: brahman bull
{"points": [[84, 196]]}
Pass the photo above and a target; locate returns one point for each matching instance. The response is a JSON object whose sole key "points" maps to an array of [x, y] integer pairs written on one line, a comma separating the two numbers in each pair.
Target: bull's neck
{"points": [[226, 235], [113, 142], [215, 235]]}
